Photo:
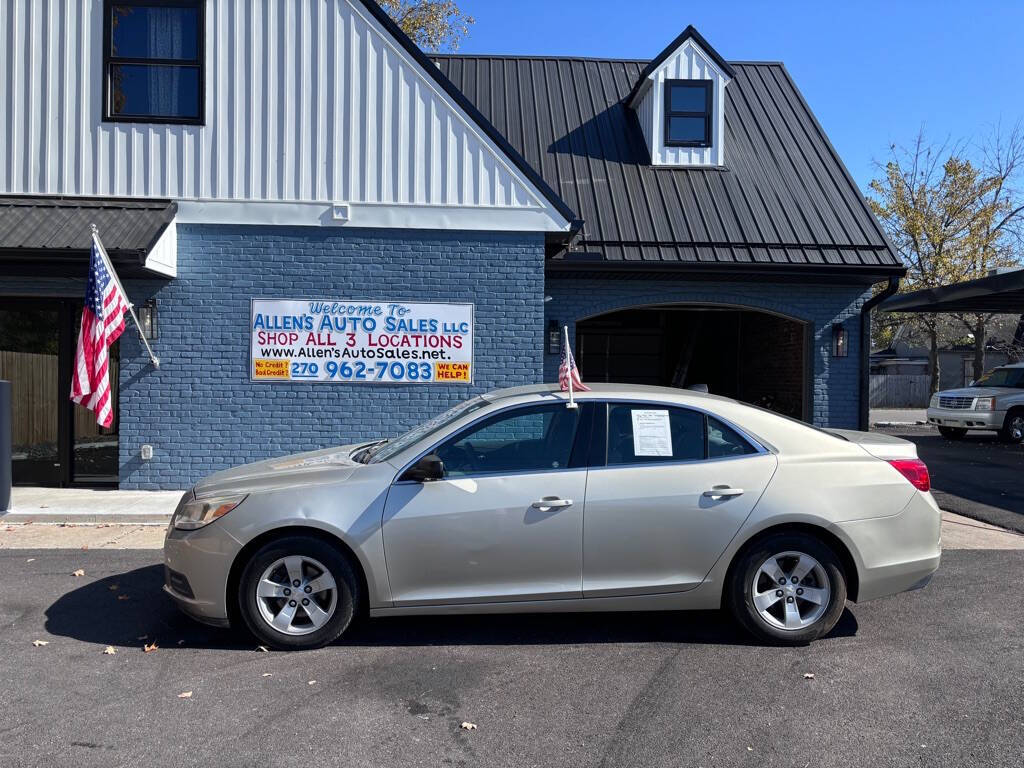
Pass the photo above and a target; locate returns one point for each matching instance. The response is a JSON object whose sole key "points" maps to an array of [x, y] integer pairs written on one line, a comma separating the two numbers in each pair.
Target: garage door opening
{"points": [[752, 356]]}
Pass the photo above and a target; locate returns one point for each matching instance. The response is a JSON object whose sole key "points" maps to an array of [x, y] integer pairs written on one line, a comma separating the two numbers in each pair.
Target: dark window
{"points": [[531, 439], [153, 61], [688, 113], [723, 440], [641, 434]]}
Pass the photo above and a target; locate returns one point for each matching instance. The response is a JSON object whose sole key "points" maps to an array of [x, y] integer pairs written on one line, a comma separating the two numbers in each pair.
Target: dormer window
{"points": [[688, 113]]}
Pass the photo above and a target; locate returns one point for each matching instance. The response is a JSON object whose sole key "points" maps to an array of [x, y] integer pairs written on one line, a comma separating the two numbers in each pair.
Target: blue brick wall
{"points": [[836, 380], [201, 413]]}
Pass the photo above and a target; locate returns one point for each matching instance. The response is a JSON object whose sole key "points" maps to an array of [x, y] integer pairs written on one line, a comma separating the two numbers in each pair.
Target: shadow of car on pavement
{"points": [[93, 613]]}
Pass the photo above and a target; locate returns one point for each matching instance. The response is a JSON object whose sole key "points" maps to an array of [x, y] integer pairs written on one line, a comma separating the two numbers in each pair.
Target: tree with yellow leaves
{"points": [[952, 219], [434, 25]]}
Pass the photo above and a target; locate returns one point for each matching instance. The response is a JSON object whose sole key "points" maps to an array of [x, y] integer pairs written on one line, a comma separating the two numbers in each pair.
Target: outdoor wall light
{"points": [[147, 319], [554, 338], [840, 341]]}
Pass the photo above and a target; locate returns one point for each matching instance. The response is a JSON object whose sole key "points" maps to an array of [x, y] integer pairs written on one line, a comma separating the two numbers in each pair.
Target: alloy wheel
{"points": [[791, 591], [296, 595]]}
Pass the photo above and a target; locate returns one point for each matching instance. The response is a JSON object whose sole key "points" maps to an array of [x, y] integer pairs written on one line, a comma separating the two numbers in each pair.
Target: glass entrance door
{"points": [[29, 359], [55, 442]]}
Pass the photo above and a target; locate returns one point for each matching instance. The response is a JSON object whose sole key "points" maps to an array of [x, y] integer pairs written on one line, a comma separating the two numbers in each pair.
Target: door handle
{"points": [[551, 502], [723, 492]]}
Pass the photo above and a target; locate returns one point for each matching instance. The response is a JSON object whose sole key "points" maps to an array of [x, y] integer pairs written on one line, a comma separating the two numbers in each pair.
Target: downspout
{"points": [[865, 347]]}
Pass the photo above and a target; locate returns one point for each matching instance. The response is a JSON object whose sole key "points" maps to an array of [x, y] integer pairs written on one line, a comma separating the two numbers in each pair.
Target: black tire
{"points": [[348, 593], [740, 587], [952, 433], [1013, 427]]}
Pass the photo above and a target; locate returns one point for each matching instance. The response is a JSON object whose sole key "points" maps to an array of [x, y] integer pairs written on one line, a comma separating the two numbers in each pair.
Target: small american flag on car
{"points": [[568, 371], [102, 324]]}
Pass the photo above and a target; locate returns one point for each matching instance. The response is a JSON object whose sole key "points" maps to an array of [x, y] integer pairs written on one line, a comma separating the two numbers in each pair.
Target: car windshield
{"points": [[385, 450], [1002, 377]]}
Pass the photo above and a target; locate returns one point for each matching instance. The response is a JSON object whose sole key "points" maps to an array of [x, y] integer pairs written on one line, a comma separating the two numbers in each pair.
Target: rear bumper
{"points": [[965, 418], [897, 553]]}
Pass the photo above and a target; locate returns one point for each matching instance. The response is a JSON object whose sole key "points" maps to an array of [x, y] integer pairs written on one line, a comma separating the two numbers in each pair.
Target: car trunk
{"points": [[879, 445]]}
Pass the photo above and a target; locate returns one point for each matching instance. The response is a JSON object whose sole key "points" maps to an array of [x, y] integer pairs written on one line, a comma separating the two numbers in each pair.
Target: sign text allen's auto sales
{"points": [[361, 341]]}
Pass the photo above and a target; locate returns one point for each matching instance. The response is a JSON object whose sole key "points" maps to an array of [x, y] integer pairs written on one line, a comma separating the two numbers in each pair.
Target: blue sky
{"points": [[873, 72]]}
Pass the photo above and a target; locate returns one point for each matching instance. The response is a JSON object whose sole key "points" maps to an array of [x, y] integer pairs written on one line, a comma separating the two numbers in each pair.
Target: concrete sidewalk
{"points": [[90, 505]]}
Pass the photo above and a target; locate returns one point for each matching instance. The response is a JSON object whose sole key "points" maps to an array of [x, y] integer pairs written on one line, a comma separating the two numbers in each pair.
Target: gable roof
{"points": [[783, 200], [690, 33], [474, 114]]}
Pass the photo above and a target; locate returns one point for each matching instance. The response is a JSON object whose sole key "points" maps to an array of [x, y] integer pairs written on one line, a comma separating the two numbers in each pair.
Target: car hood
{"points": [[973, 392], [328, 465], [879, 445]]}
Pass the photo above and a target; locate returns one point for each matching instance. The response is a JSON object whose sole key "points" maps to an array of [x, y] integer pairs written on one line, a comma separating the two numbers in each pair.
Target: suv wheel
{"points": [[1013, 427], [298, 592], [788, 589], [952, 433]]}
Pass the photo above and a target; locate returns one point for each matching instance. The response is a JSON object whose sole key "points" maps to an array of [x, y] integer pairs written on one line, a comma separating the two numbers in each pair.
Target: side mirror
{"points": [[429, 467]]}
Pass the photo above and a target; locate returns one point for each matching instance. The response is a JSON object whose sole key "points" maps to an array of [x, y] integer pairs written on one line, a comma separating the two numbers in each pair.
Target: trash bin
{"points": [[6, 417]]}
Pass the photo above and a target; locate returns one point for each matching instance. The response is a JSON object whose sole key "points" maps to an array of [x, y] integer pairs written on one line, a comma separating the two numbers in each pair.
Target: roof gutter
{"points": [[865, 348]]}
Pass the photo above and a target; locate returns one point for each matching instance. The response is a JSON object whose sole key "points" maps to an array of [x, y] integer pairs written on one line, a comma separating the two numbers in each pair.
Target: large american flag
{"points": [[102, 323], [568, 370]]}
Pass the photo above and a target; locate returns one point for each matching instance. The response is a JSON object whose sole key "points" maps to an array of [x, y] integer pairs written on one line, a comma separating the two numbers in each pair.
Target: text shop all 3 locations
{"points": [[361, 341]]}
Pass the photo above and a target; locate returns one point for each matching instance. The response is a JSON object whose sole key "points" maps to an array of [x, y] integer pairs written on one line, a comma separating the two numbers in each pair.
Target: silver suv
{"points": [[995, 401]]}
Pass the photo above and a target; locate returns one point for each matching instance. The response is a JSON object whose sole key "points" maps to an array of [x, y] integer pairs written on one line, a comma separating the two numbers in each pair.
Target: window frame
{"points": [[110, 61], [599, 457], [708, 87]]}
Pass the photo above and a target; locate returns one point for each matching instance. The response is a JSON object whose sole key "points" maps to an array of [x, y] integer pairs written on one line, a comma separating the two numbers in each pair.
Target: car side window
{"points": [[531, 439], [639, 433], [723, 440]]}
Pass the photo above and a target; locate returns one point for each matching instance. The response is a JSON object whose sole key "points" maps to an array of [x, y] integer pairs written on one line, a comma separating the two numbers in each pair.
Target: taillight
{"points": [[915, 471]]}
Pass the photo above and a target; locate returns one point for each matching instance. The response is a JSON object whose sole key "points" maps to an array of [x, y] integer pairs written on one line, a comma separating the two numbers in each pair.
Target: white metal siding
{"points": [[687, 63], [306, 100]]}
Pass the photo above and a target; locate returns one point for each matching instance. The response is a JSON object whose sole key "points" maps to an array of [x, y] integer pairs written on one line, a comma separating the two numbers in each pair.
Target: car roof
{"points": [[599, 390]]}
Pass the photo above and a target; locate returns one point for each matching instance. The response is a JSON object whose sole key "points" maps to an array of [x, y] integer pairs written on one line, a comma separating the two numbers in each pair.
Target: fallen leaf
{"points": [[123, 597], [9, 528], [185, 695], [262, 649], [808, 675], [181, 642], [30, 560], [142, 637], [149, 647], [79, 572], [468, 726], [110, 650], [268, 674], [38, 643], [113, 587], [311, 682], [750, 749]]}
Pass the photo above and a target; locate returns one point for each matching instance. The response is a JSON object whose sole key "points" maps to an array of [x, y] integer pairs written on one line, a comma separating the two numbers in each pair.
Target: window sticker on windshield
{"points": [[651, 433]]}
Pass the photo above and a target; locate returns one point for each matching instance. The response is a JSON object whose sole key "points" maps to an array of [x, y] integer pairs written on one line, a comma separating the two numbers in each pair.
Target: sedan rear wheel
{"points": [[788, 588], [298, 592]]}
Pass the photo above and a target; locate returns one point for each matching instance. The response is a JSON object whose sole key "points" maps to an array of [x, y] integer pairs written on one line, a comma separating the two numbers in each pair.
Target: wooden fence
{"points": [[34, 402], [900, 391]]}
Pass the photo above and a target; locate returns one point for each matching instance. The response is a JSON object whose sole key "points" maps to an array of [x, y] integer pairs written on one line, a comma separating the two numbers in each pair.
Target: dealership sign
{"points": [[361, 341]]}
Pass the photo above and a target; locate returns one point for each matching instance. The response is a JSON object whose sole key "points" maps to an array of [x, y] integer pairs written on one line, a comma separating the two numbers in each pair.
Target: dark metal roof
{"points": [[52, 235], [657, 61], [782, 198], [995, 293]]}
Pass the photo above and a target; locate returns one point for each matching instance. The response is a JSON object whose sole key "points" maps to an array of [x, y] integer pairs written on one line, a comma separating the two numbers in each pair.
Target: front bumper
{"points": [[197, 564], [897, 553], [965, 418]]}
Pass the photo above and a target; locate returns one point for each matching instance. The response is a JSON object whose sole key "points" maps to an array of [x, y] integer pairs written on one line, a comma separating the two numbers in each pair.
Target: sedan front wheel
{"points": [[788, 589], [298, 592]]}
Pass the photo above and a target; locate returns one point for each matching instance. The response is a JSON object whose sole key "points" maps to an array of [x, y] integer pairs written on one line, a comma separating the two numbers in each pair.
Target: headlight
{"points": [[199, 512], [934, 402], [985, 404]]}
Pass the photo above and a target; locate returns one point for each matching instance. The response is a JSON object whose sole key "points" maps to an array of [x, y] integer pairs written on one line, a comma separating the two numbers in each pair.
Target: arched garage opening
{"points": [[751, 355]]}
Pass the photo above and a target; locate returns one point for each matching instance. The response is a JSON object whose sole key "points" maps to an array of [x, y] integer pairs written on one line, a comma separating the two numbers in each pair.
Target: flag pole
{"points": [[117, 281], [571, 403]]}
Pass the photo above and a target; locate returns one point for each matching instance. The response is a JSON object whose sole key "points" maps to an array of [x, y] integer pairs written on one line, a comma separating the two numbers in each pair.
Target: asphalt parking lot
{"points": [[977, 476], [926, 678]]}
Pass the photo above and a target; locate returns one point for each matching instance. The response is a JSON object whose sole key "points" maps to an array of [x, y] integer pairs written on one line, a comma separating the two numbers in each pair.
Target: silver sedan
{"points": [[637, 498]]}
